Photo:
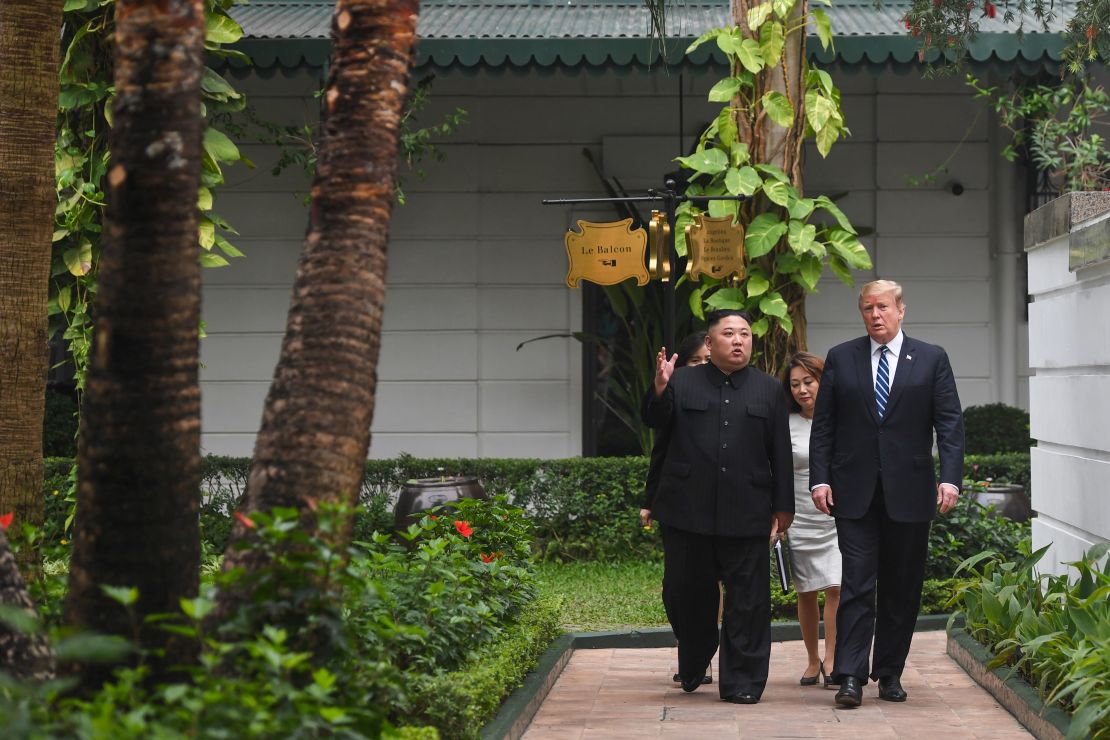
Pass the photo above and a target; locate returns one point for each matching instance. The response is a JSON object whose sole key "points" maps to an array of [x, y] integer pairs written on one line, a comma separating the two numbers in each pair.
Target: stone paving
{"points": [[624, 693]]}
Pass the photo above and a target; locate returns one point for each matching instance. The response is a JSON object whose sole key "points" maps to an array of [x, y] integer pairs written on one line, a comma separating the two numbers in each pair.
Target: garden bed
{"points": [[1012, 692]]}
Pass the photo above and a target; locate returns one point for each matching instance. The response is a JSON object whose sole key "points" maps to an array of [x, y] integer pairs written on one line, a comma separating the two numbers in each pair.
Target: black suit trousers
{"points": [[692, 565], [880, 554]]}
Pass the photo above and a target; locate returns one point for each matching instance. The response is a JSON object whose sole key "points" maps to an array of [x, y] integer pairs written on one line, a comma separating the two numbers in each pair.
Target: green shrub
{"points": [[459, 703], [1054, 630], [580, 508], [330, 643], [59, 425], [996, 427]]}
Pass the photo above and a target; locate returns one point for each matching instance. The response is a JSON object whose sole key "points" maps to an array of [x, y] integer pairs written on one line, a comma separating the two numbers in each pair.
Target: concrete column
{"points": [[1008, 200]]}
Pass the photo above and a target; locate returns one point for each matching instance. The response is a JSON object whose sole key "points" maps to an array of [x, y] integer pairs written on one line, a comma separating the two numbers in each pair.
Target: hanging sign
{"points": [[715, 247], [659, 247], [606, 253]]}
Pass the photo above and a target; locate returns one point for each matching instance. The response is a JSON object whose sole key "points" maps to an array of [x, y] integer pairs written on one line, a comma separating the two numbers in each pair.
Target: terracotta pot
{"points": [[420, 494]]}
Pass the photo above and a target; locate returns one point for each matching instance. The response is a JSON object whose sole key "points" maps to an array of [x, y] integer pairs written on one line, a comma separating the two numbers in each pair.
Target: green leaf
{"points": [[204, 199], [761, 325], [707, 36], [725, 90], [220, 29], [695, 303], [92, 648], [810, 271], [763, 234], [71, 5], [726, 298], [749, 181], [122, 595], [197, 608], [216, 86], [823, 201], [801, 236], [819, 109], [800, 208], [787, 324], [206, 233], [726, 128], [740, 153], [771, 41], [710, 161], [826, 137], [783, 7], [773, 171], [64, 298], [757, 284], [850, 249], [731, 41], [722, 208], [218, 146], [777, 192], [772, 304], [836, 264], [750, 55], [824, 27], [78, 259], [778, 107], [758, 15]]}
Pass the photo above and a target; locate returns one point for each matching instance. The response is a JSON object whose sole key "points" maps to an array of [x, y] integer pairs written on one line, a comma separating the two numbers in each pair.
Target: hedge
{"points": [[582, 508]]}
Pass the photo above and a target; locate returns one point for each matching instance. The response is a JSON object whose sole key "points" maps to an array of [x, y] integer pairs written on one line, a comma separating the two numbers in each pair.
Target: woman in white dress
{"points": [[812, 537]]}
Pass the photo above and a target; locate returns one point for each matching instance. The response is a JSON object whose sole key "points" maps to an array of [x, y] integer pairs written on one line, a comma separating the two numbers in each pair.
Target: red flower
{"points": [[487, 558], [989, 9], [1091, 33], [463, 528], [6, 520], [433, 517], [245, 520]]}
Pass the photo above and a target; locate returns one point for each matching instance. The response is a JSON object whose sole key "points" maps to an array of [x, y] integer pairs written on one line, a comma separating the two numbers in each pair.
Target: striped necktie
{"points": [[882, 381]]}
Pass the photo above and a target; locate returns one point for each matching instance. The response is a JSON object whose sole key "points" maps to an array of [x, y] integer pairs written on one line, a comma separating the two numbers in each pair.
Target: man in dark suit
{"points": [[726, 481], [871, 466]]}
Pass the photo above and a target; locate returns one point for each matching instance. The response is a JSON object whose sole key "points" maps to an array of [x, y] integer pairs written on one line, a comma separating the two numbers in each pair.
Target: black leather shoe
{"points": [[689, 686], [812, 680], [742, 698], [890, 689], [704, 679], [850, 694]]}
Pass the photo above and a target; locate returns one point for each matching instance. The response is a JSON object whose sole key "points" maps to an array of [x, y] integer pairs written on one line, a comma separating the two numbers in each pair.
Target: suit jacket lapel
{"points": [[866, 381], [902, 373]]}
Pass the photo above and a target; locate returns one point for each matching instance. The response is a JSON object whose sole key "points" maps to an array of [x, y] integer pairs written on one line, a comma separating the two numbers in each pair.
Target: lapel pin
{"points": [[909, 357]]}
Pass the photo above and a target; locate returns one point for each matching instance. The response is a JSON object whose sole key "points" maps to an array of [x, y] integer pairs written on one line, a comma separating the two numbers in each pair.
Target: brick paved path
{"points": [[628, 694]]}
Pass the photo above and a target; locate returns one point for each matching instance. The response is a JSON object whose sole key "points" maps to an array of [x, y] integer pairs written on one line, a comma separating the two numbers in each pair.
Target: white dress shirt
{"points": [[895, 347]]}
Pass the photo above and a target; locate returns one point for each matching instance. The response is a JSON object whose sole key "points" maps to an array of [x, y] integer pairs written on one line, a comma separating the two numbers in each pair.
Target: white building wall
{"points": [[1069, 351], [476, 263]]}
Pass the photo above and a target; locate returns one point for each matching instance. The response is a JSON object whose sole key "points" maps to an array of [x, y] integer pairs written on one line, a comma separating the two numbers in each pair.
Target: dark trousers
{"points": [[692, 565], [881, 554]]}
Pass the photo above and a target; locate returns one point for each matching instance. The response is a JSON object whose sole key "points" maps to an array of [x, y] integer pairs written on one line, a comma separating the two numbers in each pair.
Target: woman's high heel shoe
{"points": [[812, 680]]}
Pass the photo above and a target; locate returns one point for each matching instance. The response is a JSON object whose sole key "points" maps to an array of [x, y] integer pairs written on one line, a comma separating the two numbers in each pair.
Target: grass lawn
{"points": [[606, 596]]}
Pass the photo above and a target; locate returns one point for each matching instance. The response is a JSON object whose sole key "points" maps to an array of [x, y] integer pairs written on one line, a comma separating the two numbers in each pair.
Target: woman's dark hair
{"points": [[689, 347], [811, 363]]}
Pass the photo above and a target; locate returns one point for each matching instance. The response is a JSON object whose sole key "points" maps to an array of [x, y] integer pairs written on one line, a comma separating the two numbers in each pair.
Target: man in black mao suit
{"points": [[882, 396], [726, 480]]}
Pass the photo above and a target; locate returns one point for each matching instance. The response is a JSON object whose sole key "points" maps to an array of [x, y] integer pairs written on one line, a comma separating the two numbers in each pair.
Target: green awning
{"points": [[611, 33]]}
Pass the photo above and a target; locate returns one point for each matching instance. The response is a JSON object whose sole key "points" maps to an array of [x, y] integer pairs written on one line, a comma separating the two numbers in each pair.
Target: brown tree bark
{"points": [[770, 143], [139, 447], [29, 31], [316, 424], [22, 655]]}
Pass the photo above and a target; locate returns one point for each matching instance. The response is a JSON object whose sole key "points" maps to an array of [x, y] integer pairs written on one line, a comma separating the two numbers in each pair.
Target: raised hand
{"points": [[664, 370]]}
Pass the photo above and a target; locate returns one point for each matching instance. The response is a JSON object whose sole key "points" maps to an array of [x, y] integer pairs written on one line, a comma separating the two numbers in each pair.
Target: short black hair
{"points": [[714, 317], [689, 347]]}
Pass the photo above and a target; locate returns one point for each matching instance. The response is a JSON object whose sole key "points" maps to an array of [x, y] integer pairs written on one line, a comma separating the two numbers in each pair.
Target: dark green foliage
{"points": [[580, 508], [59, 425], [461, 702], [1053, 629], [996, 427], [332, 644]]}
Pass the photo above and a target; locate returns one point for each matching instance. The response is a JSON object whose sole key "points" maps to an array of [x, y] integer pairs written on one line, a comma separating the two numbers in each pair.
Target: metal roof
{"points": [[523, 33]]}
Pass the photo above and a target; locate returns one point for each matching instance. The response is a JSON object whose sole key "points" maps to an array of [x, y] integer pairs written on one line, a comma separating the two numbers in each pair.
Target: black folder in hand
{"points": [[782, 563]]}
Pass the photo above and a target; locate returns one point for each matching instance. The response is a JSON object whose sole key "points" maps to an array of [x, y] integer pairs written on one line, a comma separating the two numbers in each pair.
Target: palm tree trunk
{"points": [[316, 424], [22, 655], [29, 32], [139, 447]]}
